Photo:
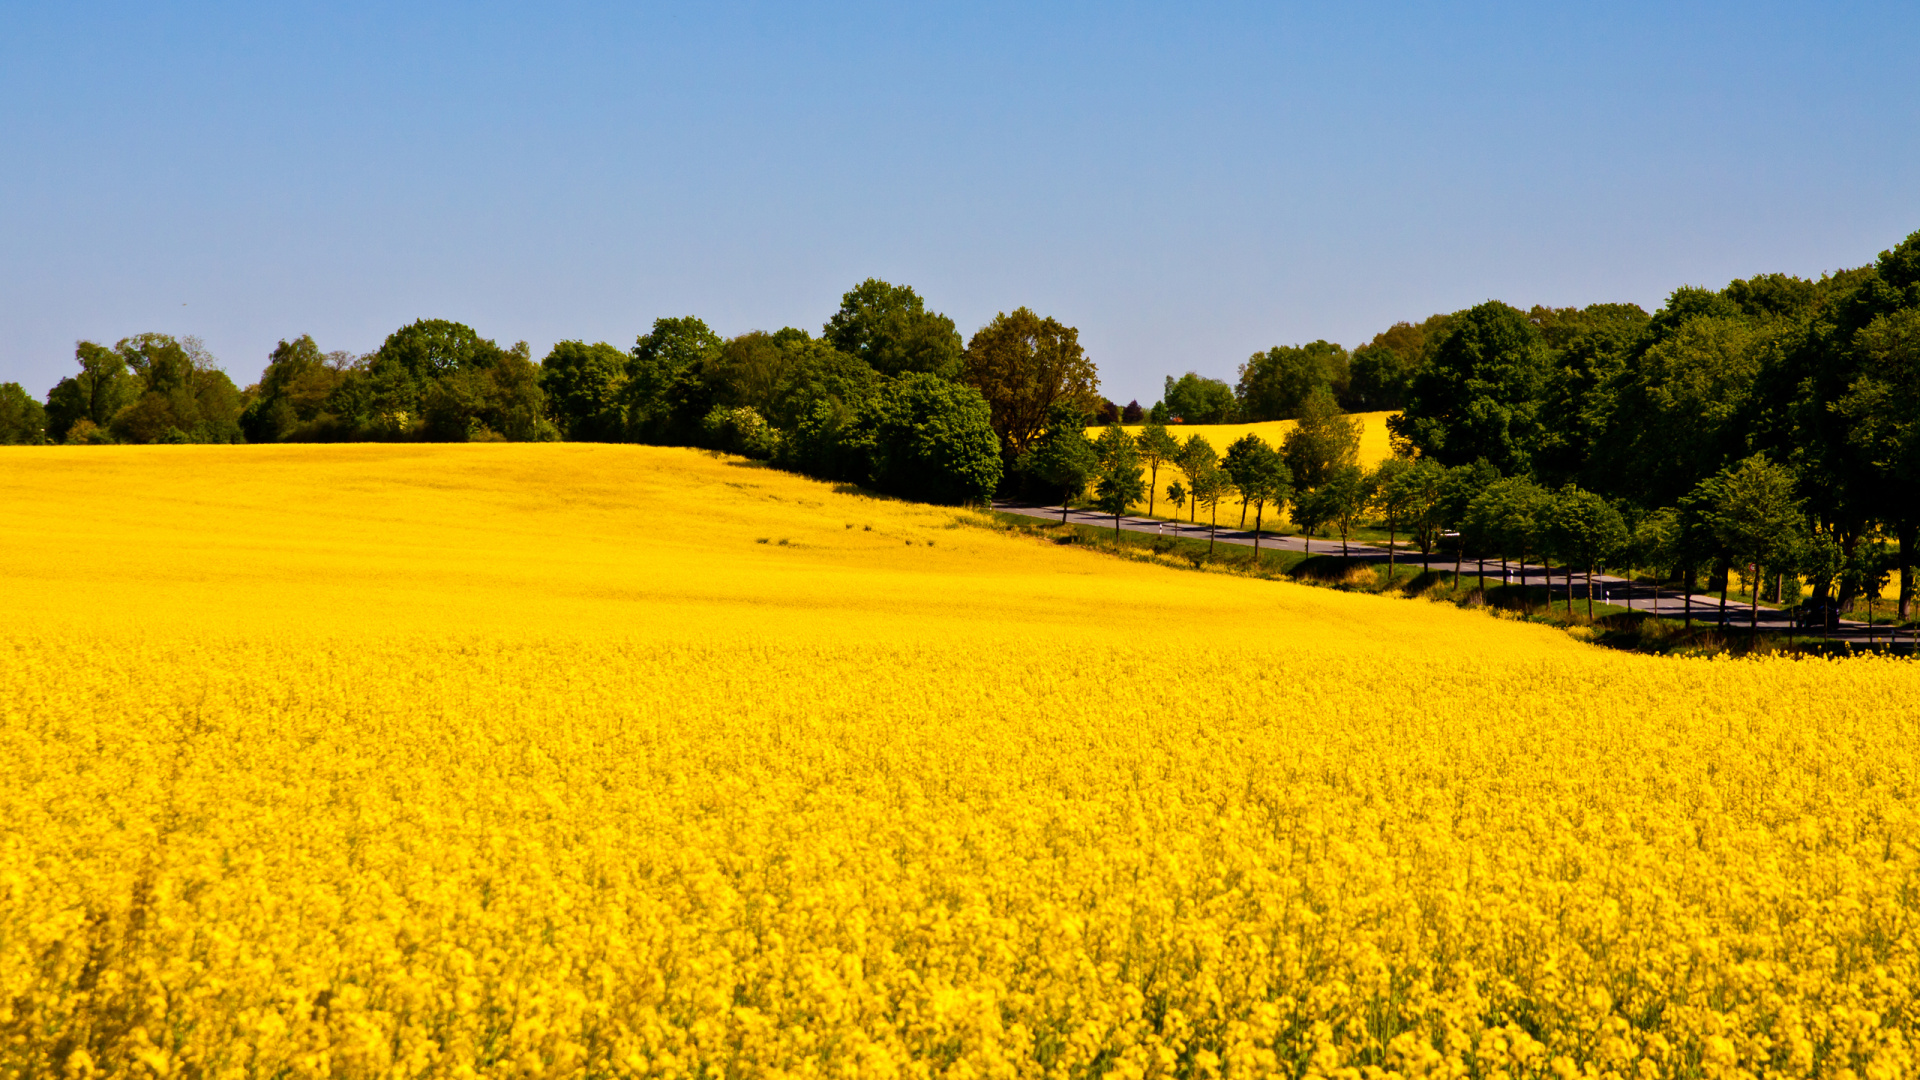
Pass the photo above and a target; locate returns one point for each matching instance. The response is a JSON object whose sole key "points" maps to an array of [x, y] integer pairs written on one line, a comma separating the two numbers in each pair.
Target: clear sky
{"points": [[1186, 183]]}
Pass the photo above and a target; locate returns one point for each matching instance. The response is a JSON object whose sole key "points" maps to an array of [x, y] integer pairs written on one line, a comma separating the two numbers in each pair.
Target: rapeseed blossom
{"points": [[533, 761]]}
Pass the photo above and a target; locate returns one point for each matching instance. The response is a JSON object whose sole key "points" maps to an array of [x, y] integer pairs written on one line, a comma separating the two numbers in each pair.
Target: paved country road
{"points": [[1669, 603]]}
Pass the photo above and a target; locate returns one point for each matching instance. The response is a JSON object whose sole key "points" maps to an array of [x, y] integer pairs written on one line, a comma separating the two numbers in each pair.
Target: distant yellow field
{"points": [[537, 761], [1375, 446]]}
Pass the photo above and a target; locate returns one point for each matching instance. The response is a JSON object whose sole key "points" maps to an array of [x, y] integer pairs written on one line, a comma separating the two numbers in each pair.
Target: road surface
{"points": [[1607, 588]]}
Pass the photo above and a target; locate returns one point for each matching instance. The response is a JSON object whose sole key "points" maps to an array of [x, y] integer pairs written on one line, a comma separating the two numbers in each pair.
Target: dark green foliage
{"points": [[1063, 457], [740, 430], [1260, 474], [1381, 371], [1118, 483], [668, 391], [148, 388], [1479, 396], [1024, 365], [103, 387], [1276, 384], [290, 401], [1197, 400], [930, 439], [890, 329], [1586, 531], [498, 399], [1157, 447], [23, 421], [436, 380], [584, 385], [1324, 440], [781, 375]]}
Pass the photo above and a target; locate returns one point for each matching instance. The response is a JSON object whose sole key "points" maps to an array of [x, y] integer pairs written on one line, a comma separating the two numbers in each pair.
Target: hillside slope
{"points": [[384, 761]]}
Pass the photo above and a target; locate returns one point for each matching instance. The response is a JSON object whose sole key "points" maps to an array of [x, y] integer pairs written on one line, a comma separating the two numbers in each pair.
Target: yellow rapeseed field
{"points": [[575, 760], [1376, 445]]}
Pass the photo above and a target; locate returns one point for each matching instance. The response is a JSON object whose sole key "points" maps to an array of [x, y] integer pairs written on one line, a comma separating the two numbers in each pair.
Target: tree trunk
{"points": [[1726, 581], [1153, 478], [1391, 534], [1753, 610], [1243, 513], [1116, 526], [1212, 529], [1526, 602], [1459, 550], [1686, 588], [1259, 511], [1064, 500], [1908, 533], [1589, 591]]}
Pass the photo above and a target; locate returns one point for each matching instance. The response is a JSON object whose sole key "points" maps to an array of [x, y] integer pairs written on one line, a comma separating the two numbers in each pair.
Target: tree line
{"points": [[887, 395], [1770, 429]]}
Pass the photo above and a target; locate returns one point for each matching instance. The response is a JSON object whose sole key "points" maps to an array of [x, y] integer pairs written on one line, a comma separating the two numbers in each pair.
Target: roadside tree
{"points": [[1261, 477], [1064, 457], [1587, 530], [1119, 484], [1156, 447], [1757, 520]]}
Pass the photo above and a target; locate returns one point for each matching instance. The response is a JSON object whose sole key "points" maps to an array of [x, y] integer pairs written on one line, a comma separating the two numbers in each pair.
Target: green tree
{"points": [[1177, 495], [23, 421], [103, 387], [1024, 365], [185, 397], [931, 439], [1261, 477], [666, 392], [1479, 395], [1345, 493], [1865, 571], [1882, 412], [1508, 515], [1313, 509], [1381, 371], [1156, 447], [584, 385], [1756, 519], [1416, 490], [1064, 457], [1195, 399], [1196, 456], [890, 329], [495, 396], [1587, 530], [1458, 487], [1211, 485], [1683, 408], [1394, 499], [290, 400], [1118, 484], [440, 379], [1656, 543], [1323, 441], [1276, 384]]}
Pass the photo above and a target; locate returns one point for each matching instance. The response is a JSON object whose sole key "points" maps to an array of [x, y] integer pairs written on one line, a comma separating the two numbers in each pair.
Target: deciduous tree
{"points": [[890, 328], [1024, 365]]}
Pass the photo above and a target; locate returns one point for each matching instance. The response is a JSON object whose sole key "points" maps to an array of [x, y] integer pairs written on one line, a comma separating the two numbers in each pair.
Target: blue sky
{"points": [[1185, 183]]}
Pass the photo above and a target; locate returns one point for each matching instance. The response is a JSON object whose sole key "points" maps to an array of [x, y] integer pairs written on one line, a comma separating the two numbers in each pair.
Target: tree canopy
{"points": [[1024, 365]]}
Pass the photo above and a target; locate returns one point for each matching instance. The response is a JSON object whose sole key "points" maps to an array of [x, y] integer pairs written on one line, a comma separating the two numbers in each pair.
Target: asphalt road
{"points": [[1607, 588]]}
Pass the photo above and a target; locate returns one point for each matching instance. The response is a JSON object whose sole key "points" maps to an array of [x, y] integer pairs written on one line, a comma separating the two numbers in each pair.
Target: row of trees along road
{"points": [[886, 395], [1770, 429]]}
